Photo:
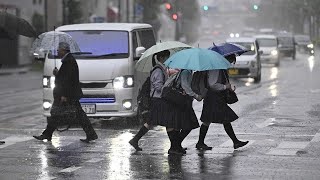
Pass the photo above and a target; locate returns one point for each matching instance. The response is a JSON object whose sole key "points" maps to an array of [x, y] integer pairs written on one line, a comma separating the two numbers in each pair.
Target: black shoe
{"points": [[88, 139], [134, 144], [2, 142], [240, 144], [42, 137], [203, 147], [172, 151]]}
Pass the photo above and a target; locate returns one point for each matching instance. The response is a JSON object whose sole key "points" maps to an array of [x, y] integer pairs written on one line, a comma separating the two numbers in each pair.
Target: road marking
{"points": [[288, 148], [47, 178], [13, 140], [94, 160], [70, 169], [316, 138], [266, 123]]}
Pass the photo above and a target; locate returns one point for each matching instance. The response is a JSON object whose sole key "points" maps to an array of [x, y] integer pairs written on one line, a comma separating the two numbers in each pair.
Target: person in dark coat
{"points": [[215, 108], [68, 91]]}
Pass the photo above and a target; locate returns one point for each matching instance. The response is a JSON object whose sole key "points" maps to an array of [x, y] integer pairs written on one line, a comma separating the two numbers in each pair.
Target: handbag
{"points": [[172, 93], [63, 115], [230, 96]]}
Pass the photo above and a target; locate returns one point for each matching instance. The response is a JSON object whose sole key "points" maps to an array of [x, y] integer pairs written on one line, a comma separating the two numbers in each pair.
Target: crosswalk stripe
{"points": [[94, 160], [266, 123], [13, 140], [316, 138], [70, 169]]}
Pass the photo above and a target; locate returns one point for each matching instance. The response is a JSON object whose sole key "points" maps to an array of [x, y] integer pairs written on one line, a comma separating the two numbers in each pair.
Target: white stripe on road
{"points": [[70, 169], [94, 160], [266, 123], [316, 138], [47, 178], [13, 140], [288, 148]]}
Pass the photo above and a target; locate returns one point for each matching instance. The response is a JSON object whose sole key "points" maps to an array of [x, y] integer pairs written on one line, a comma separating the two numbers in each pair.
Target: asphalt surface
{"points": [[279, 116]]}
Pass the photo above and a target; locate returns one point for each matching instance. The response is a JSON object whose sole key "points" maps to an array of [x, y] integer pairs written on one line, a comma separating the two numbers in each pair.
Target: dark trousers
{"points": [[82, 120]]}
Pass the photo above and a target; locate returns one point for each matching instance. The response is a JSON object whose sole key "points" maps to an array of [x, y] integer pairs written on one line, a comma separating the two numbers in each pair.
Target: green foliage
{"points": [[38, 22]]}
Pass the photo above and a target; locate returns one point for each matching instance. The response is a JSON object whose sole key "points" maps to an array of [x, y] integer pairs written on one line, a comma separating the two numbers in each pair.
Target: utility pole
{"points": [[177, 29], [45, 15]]}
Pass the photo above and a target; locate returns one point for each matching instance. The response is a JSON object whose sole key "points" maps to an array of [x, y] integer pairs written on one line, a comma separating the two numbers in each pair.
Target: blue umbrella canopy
{"points": [[226, 49], [197, 59]]}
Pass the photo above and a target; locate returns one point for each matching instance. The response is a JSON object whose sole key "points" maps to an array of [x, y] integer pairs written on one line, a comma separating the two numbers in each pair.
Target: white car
{"points": [[248, 65], [268, 44]]}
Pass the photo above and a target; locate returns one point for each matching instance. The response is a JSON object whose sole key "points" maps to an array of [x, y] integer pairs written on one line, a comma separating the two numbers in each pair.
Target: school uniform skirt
{"points": [[169, 115], [216, 110]]}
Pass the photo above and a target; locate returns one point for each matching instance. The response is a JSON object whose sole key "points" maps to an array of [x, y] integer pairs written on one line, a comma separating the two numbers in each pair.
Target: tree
{"points": [[71, 12], [38, 23]]}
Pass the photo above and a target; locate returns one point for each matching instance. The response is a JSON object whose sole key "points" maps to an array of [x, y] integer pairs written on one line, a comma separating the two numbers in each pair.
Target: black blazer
{"points": [[67, 80]]}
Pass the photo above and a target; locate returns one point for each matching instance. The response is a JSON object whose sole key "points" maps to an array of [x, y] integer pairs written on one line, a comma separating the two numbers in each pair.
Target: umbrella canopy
{"points": [[13, 26], [145, 62], [49, 41], [197, 59], [226, 49]]}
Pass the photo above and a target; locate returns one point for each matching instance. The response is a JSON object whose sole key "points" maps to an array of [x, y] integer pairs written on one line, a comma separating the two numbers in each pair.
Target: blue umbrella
{"points": [[197, 59], [226, 49]]}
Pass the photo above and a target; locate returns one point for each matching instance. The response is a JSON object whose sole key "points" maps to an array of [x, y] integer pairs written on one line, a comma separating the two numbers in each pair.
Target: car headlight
{"points": [[274, 52], [310, 46], [48, 82], [46, 105], [231, 35], [237, 35], [123, 82]]}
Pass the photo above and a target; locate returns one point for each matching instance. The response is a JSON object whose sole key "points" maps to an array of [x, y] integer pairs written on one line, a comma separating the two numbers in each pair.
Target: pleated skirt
{"points": [[216, 110], [169, 115]]}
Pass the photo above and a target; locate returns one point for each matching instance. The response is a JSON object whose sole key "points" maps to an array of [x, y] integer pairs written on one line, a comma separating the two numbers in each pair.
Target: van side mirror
{"points": [[139, 52], [260, 52]]}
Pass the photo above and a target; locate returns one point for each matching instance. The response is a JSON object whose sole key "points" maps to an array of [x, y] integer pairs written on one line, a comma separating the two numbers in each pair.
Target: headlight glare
{"points": [[274, 52], [45, 81], [310, 46], [129, 81], [118, 82]]}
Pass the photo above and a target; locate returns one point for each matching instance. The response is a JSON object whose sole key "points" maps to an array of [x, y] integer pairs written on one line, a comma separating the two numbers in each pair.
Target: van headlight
{"points": [[48, 82], [274, 52], [123, 82], [310, 46], [46, 105]]}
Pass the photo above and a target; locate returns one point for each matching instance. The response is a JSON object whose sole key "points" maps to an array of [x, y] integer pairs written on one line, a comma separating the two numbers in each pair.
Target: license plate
{"points": [[233, 71], [89, 108]]}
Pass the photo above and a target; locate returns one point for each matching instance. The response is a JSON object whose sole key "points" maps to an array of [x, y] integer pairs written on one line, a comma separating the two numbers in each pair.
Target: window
{"points": [[147, 38], [267, 42]]}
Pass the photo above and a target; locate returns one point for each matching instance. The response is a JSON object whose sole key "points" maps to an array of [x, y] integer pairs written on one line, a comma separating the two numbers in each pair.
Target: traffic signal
{"points": [[255, 7], [175, 16], [168, 6], [206, 8]]}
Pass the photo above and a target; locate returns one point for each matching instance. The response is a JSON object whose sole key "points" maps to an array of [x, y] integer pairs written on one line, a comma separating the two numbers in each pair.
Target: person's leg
{"points": [[134, 141], [229, 130], [203, 132], [173, 137], [47, 133], [182, 135], [87, 127]]}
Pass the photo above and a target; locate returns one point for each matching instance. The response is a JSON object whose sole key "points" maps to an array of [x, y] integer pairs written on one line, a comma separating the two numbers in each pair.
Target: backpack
{"points": [[143, 98], [199, 83]]}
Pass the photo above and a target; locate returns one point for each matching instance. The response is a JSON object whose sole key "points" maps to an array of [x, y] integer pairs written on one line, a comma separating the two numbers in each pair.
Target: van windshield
{"points": [[267, 42], [101, 44]]}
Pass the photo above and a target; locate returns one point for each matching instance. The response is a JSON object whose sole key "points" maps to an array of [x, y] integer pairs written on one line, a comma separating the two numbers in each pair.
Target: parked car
{"points": [[304, 43], [107, 74], [286, 45], [248, 65], [268, 44]]}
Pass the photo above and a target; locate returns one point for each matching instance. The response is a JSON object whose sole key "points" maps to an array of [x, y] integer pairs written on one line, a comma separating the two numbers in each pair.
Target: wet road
{"points": [[279, 116]]}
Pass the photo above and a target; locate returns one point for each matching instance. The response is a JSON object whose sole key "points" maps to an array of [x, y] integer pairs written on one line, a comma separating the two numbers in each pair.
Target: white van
{"points": [[268, 44], [107, 75]]}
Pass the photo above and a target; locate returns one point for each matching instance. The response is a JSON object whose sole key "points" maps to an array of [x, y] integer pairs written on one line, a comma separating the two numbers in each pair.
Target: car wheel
{"points": [[258, 78]]}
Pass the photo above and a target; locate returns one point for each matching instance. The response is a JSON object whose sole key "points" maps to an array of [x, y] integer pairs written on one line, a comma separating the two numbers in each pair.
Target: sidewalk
{"points": [[16, 70]]}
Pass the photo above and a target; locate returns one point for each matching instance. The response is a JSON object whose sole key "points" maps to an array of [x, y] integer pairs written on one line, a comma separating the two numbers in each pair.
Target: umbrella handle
{"points": [[213, 44]]}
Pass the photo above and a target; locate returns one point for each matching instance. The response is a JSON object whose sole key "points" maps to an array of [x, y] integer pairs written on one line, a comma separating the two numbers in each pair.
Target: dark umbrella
{"points": [[226, 49], [11, 26]]}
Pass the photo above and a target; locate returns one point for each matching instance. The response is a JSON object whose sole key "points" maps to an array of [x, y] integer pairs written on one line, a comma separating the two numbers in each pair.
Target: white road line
{"points": [[94, 160], [316, 138], [70, 169], [266, 123], [282, 152], [13, 140], [47, 178], [288, 148]]}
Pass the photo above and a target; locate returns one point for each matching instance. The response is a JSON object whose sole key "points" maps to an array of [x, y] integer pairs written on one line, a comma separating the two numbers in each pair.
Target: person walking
{"points": [[215, 108], [68, 91], [158, 76], [188, 119]]}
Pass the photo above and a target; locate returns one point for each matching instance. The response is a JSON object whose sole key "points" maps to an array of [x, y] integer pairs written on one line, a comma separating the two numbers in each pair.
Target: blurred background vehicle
{"points": [[304, 43], [248, 65], [269, 46], [286, 45]]}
